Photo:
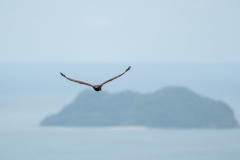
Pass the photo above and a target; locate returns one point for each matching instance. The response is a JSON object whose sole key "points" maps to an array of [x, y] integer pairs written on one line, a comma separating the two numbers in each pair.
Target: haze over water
{"points": [[93, 144]]}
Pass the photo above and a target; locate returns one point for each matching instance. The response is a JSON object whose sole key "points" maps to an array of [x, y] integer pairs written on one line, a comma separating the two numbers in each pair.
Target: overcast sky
{"points": [[120, 31]]}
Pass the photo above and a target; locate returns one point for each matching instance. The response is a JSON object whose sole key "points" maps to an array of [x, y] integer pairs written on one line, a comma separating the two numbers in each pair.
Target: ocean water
{"points": [[118, 144]]}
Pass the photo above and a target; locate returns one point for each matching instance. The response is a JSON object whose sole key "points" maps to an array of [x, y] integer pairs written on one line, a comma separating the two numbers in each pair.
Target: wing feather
{"points": [[116, 76], [77, 81]]}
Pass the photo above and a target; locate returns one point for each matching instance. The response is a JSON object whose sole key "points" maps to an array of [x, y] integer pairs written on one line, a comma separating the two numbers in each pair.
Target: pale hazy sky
{"points": [[120, 31]]}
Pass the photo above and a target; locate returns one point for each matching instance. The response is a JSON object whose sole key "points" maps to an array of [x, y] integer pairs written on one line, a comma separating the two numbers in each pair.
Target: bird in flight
{"points": [[96, 87]]}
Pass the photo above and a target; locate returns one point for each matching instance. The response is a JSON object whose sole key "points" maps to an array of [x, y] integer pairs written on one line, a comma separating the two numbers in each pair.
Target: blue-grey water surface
{"points": [[119, 144]]}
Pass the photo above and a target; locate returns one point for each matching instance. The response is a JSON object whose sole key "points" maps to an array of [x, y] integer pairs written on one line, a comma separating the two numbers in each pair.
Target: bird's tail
{"points": [[63, 74], [128, 69]]}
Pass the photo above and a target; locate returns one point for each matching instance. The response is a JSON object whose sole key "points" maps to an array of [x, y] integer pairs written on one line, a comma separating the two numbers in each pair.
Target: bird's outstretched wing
{"points": [[116, 76], [77, 81]]}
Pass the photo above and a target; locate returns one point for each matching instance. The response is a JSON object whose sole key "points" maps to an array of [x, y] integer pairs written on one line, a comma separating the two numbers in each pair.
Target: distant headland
{"points": [[170, 107]]}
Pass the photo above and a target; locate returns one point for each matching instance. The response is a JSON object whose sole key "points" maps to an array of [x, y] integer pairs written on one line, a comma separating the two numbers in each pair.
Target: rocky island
{"points": [[170, 107]]}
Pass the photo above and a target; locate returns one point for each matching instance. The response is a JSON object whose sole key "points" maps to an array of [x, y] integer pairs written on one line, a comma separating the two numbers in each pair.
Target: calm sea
{"points": [[119, 144]]}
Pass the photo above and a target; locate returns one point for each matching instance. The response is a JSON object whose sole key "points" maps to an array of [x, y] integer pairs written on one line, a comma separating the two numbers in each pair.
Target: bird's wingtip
{"points": [[128, 68], [62, 74]]}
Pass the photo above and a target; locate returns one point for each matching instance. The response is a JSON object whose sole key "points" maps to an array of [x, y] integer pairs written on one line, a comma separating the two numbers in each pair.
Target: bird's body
{"points": [[95, 87]]}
